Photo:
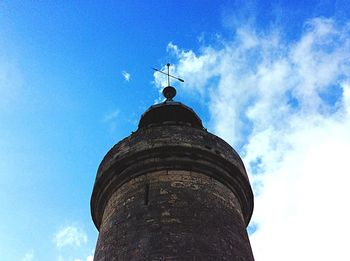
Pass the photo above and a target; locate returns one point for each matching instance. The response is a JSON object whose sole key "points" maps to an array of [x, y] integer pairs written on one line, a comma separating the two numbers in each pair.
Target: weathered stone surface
{"points": [[172, 191], [173, 215]]}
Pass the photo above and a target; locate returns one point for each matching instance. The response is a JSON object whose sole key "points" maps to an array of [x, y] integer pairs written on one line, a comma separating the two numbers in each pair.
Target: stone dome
{"points": [[170, 112]]}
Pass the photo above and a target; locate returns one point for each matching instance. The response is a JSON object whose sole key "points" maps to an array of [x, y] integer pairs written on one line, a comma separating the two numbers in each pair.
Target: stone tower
{"points": [[172, 191]]}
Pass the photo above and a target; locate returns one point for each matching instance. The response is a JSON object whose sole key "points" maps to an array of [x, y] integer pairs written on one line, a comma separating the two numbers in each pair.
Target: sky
{"points": [[270, 77]]}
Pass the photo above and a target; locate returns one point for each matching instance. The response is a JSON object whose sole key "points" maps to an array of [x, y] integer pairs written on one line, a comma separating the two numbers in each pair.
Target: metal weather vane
{"points": [[169, 92], [169, 75]]}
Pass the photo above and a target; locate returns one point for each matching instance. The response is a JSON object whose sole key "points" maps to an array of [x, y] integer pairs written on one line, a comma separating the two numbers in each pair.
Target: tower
{"points": [[172, 191]]}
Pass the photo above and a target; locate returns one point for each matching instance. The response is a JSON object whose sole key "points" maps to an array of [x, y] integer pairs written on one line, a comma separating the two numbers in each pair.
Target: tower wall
{"points": [[173, 215], [172, 192]]}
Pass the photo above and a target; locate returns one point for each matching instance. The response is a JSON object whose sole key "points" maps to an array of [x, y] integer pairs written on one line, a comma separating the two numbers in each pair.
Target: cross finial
{"points": [[168, 74], [169, 92]]}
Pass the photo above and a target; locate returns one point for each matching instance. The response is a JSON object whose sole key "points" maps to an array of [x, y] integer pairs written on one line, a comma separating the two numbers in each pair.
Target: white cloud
{"points": [[111, 120], [28, 256], [89, 258], [111, 116], [126, 76], [70, 236], [286, 107]]}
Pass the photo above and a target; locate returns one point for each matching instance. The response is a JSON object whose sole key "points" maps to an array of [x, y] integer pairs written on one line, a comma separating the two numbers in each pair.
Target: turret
{"points": [[172, 191]]}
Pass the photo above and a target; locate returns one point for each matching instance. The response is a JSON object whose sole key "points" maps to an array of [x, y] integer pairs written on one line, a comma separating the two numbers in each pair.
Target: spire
{"points": [[169, 92]]}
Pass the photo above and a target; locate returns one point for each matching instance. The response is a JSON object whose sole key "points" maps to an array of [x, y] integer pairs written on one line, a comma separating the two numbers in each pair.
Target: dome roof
{"points": [[170, 112]]}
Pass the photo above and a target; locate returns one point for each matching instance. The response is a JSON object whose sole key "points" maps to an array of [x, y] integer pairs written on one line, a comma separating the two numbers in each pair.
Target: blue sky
{"points": [[270, 77]]}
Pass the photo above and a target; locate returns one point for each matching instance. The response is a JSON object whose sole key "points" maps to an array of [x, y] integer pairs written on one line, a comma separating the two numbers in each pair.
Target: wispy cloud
{"points": [[88, 258], [110, 119], [111, 116], [126, 75], [286, 107], [70, 236], [28, 256]]}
